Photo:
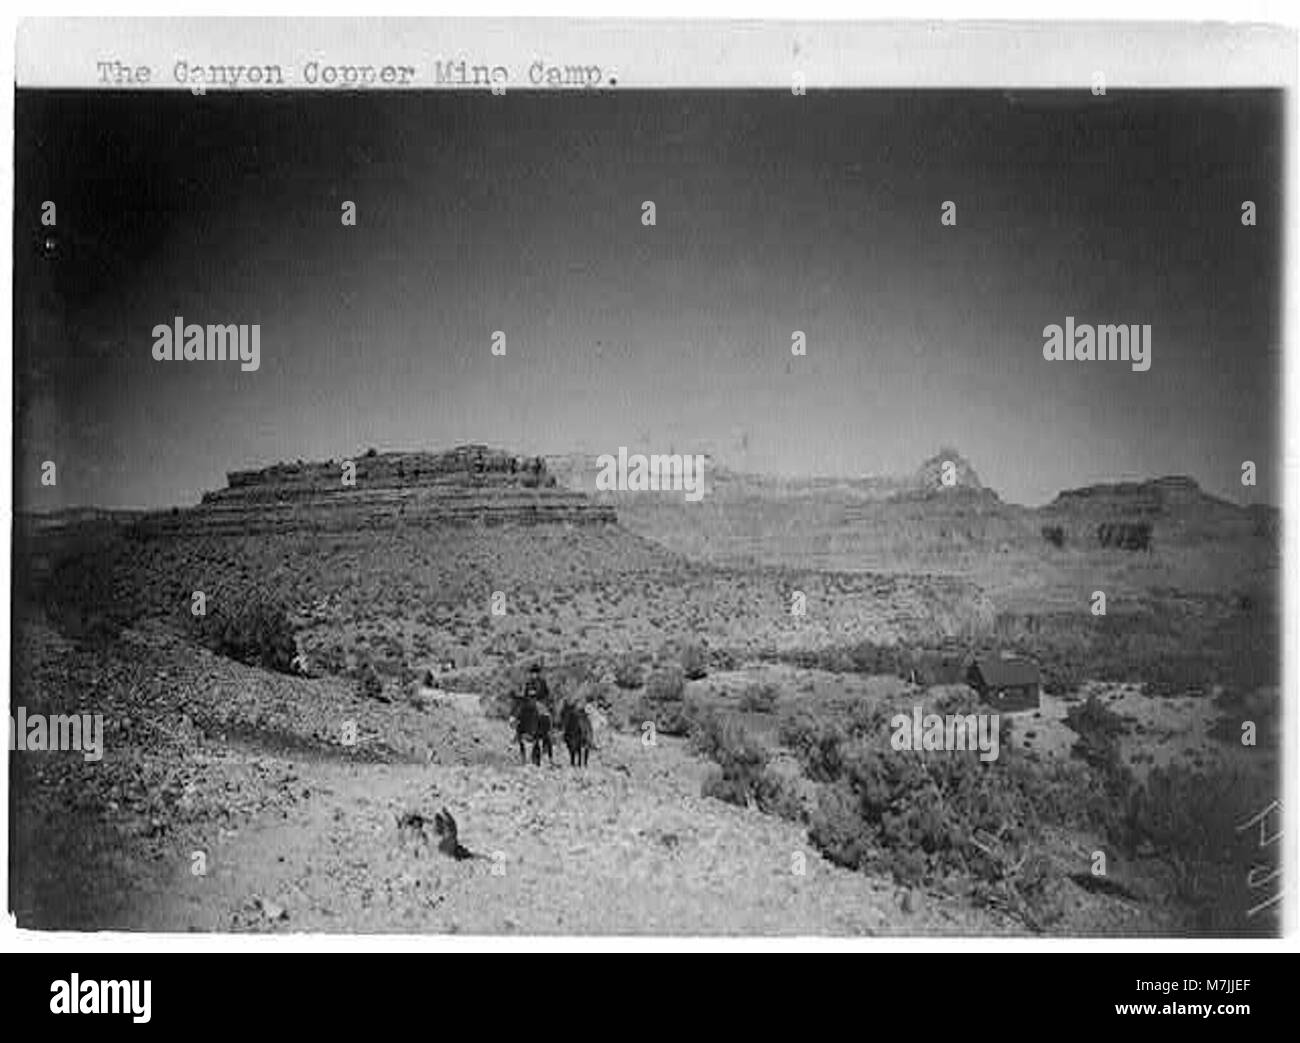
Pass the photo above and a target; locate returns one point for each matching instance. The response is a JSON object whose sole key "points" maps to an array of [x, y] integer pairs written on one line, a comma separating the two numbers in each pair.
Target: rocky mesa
{"points": [[470, 484]]}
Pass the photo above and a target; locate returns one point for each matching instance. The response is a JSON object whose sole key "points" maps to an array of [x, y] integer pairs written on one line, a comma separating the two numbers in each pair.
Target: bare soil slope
{"points": [[227, 800]]}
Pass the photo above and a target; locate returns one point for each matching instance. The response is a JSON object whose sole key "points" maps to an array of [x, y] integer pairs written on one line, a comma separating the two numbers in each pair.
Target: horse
{"points": [[576, 726], [534, 724]]}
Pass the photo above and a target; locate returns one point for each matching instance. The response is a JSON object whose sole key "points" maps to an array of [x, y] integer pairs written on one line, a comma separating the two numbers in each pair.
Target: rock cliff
{"points": [[471, 484]]}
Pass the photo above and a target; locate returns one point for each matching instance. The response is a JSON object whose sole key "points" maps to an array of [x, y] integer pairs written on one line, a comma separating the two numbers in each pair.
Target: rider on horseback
{"points": [[534, 715], [535, 686]]}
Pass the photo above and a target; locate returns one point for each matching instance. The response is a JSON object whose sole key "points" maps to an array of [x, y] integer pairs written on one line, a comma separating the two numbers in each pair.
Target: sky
{"points": [[773, 213]]}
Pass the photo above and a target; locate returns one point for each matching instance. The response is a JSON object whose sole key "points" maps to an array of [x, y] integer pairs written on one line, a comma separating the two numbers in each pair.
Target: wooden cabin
{"points": [[1007, 685]]}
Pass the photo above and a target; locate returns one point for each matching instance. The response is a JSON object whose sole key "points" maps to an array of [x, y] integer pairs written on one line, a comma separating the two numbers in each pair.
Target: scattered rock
{"points": [[271, 912]]}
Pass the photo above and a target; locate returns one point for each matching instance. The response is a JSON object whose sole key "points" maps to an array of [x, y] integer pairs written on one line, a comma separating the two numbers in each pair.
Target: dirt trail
{"points": [[299, 832], [627, 846]]}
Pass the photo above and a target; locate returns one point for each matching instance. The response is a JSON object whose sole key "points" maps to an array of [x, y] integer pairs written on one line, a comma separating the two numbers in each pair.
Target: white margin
{"points": [[1270, 13]]}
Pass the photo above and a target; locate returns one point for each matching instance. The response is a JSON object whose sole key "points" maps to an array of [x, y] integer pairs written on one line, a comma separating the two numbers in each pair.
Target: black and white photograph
{"points": [[495, 495]]}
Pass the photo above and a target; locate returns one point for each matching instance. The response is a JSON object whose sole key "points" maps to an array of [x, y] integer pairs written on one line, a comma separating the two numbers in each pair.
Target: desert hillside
{"points": [[248, 775], [297, 669], [942, 518]]}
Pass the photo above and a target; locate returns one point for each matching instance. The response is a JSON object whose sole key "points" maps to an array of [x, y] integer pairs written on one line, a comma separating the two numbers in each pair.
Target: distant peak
{"points": [[947, 469], [1177, 481]]}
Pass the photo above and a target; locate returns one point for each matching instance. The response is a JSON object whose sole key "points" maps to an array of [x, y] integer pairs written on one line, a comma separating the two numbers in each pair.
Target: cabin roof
{"points": [[998, 673]]}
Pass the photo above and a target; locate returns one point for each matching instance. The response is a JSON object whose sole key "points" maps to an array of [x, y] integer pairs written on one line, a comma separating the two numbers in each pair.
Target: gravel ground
{"points": [[226, 800]]}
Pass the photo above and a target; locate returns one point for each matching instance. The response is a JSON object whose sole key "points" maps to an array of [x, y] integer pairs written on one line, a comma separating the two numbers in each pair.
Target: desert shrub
{"points": [[785, 801], [962, 700], [927, 815], [572, 676], [1192, 821], [257, 633], [670, 718], [1173, 683], [389, 666], [834, 660], [862, 657], [711, 735], [1183, 644], [916, 816], [627, 672], [742, 776], [838, 830], [1054, 534], [1069, 794], [1063, 678], [763, 789], [931, 666], [938, 816], [503, 685], [722, 659], [1093, 717], [866, 657], [925, 818], [816, 743], [759, 697], [330, 659], [717, 786], [921, 817], [869, 720], [1207, 828], [694, 662], [369, 685], [83, 598], [666, 685], [1099, 729], [664, 702]]}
